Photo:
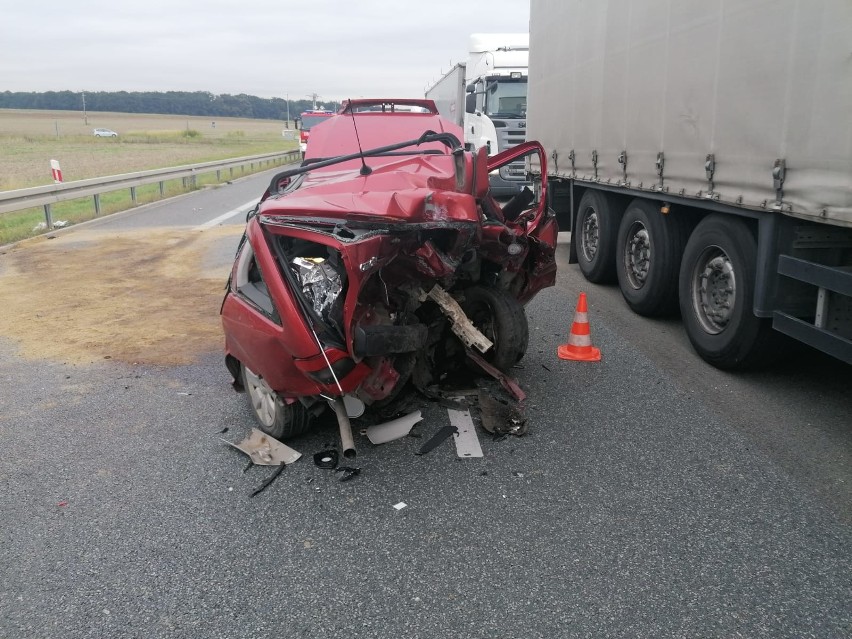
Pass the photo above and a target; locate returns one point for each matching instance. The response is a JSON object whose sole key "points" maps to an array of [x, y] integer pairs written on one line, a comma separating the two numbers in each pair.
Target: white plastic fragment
{"points": [[400, 505], [265, 450], [394, 429]]}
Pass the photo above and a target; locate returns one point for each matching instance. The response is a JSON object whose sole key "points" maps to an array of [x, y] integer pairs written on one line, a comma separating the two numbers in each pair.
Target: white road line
{"points": [[242, 209], [467, 443]]}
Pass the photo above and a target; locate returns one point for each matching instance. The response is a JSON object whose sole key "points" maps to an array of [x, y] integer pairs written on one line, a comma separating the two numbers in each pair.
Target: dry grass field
{"points": [[29, 139]]}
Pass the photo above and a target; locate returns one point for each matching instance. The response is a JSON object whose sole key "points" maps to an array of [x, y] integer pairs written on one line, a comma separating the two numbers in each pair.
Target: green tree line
{"points": [[168, 102]]}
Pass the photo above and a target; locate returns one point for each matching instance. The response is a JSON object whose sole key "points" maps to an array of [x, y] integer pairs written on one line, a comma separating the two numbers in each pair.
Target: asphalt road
{"points": [[653, 497]]}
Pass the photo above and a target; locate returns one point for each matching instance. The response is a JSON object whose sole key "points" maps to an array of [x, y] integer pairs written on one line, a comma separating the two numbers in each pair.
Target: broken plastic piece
{"points": [[265, 450], [461, 324], [507, 382], [326, 459], [443, 433], [269, 481], [467, 443], [348, 472], [400, 505], [394, 429], [501, 419]]}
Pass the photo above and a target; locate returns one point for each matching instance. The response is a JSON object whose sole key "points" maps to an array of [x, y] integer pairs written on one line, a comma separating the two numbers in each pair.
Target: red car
{"points": [[381, 260]]}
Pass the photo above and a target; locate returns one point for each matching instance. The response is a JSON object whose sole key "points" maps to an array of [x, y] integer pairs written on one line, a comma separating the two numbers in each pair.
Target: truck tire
{"points": [[717, 281], [650, 247], [594, 237], [502, 319]]}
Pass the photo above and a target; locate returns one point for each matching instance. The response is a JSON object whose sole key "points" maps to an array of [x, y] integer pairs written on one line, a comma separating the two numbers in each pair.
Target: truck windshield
{"points": [[506, 99]]}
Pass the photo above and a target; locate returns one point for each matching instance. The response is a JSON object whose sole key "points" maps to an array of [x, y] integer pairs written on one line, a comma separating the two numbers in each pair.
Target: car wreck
{"points": [[381, 261]]}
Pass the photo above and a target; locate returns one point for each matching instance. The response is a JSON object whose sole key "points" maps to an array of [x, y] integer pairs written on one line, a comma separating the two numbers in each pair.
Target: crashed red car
{"points": [[382, 260]]}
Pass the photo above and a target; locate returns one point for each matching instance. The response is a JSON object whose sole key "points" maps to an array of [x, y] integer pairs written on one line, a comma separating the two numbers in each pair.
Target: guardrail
{"points": [[50, 194]]}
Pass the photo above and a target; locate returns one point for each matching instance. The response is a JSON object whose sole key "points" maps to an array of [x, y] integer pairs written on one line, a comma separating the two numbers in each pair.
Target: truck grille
{"points": [[512, 133]]}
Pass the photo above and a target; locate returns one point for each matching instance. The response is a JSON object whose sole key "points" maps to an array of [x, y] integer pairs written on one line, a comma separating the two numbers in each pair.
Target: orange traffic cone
{"points": [[579, 347]]}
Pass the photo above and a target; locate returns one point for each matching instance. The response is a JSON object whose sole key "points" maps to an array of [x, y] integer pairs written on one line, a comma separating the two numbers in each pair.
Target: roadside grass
{"points": [[29, 140]]}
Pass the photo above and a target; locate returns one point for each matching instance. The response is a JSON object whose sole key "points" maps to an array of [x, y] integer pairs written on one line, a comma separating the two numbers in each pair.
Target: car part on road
{"points": [[266, 484], [394, 429], [347, 443], [326, 459], [507, 382], [501, 419], [349, 472], [443, 433], [265, 450]]}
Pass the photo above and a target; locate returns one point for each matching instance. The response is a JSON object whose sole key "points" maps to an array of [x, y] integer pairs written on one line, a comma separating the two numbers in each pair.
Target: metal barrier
{"points": [[52, 193]]}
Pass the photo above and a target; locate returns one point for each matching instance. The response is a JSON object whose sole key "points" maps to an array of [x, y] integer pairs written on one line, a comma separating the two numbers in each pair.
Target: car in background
{"points": [[104, 133]]}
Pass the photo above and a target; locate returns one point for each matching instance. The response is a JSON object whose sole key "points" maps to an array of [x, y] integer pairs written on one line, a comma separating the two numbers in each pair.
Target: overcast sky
{"points": [[268, 48]]}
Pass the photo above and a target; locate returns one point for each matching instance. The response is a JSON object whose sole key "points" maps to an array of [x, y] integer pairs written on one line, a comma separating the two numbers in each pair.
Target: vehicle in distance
{"points": [[363, 270], [306, 122], [104, 133]]}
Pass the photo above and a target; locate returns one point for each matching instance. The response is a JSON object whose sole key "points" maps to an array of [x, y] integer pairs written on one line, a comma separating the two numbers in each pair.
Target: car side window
{"points": [[251, 286]]}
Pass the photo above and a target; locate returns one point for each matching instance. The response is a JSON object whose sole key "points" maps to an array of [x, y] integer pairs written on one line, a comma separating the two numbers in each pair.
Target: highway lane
{"points": [[654, 496]]}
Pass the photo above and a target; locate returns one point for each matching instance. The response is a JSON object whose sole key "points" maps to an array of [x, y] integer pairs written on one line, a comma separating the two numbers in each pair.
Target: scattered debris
{"points": [[271, 479], [501, 419], [348, 472], [62, 504], [517, 474], [442, 434], [326, 459], [507, 382], [546, 368], [467, 443], [400, 505], [264, 450], [394, 429], [60, 224], [223, 431]]}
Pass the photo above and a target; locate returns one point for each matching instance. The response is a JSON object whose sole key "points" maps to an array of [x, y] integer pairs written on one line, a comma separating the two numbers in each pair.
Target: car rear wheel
{"points": [[274, 416]]}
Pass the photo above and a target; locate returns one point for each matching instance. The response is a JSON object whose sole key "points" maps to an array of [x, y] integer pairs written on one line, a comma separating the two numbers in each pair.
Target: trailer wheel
{"points": [[274, 417], [650, 247], [717, 280], [594, 237], [502, 319]]}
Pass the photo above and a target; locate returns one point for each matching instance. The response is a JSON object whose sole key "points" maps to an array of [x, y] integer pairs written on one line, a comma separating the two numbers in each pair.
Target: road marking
{"points": [[243, 208], [467, 443]]}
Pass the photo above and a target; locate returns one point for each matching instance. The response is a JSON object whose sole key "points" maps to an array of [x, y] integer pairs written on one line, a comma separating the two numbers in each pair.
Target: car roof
{"points": [[375, 128]]}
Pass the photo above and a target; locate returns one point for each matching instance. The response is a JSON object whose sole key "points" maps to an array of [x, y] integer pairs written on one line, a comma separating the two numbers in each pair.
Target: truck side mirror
{"points": [[297, 123], [470, 88], [470, 103]]}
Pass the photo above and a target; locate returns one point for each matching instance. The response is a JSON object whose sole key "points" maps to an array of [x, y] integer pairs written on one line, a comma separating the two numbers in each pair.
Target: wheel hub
{"points": [[637, 255], [590, 234], [262, 398], [714, 290]]}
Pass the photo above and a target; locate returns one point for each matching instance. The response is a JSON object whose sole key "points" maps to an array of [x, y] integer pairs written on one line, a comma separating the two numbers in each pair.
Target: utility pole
{"points": [[85, 115], [287, 126]]}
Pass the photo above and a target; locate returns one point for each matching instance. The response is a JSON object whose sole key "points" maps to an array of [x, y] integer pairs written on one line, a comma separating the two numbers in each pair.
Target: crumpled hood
{"points": [[412, 189]]}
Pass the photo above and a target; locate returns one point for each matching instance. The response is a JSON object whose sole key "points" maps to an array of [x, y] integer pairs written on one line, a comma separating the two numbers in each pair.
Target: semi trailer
{"points": [[700, 153]]}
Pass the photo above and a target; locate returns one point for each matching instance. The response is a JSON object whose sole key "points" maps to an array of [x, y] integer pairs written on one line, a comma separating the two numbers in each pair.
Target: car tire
{"points": [[275, 417], [717, 283], [594, 237], [502, 319], [650, 247]]}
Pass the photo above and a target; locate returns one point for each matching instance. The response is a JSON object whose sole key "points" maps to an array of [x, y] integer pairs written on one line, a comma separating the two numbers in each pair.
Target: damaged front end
{"points": [[350, 284]]}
